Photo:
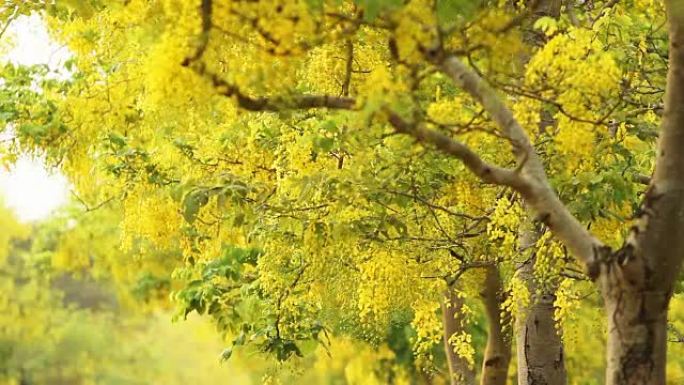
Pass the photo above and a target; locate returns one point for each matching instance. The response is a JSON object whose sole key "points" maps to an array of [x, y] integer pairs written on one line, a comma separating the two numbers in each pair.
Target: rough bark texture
{"points": [[539, 346], [637, 338], [460, 372], [497, 355]]}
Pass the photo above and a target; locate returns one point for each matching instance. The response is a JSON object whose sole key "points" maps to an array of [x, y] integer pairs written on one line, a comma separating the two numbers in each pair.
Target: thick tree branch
{"points": [[278, 103], [531, 182]]}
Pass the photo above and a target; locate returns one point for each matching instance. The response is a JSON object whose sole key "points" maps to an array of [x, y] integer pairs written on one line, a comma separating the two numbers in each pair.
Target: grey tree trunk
{"points": [[460, 371], [637, 338], [538, 342], [497, 355]]}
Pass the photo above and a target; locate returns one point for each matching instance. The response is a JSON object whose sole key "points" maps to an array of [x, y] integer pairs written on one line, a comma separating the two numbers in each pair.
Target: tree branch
{"points": [[487, 172], [531, 182], [263, 103], [429, 204], [642, 179]]}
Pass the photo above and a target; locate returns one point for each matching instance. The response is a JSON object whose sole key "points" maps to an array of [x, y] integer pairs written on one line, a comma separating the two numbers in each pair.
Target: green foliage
{"points": [[373, 8], [454, 12]]}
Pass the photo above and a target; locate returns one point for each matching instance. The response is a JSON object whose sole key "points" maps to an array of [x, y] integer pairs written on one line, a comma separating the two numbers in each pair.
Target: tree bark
{"points": [[539, 345], [637, 338], [549, 8], [460, 371], [497, 355]]}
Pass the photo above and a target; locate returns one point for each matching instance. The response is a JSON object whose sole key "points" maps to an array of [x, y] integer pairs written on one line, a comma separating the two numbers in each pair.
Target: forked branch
{"points": [[533, 184]]}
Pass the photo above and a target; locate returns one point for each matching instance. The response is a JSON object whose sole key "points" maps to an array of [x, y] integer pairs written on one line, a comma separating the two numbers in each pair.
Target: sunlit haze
{"points": [[31, 190]]}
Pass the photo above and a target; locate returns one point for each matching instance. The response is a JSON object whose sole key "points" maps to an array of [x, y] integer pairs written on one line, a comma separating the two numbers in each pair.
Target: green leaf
{"points": [[116, 139], [450, 11], [240, 339], [546, 24], [34, 131], [324, 144], [239, 219], [329, 126], [6, 116], [315, 5], [373, 8], [192, 203], [225, 354]]}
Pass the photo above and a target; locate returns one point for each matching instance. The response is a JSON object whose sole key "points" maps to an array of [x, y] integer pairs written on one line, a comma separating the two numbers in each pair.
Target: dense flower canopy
{"points": [[302, 171]]}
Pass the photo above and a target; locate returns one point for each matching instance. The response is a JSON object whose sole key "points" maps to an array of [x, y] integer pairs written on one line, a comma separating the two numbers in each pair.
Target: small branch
{"points": [[642, 179], [678, 335], [348, 68], [431, 205], [275, 103], [606, 6], [9, 21], [284, 295], [89, 208]]}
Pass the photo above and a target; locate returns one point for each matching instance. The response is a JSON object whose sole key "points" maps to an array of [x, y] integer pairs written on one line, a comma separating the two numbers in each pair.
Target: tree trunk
{"points": [[460, 371], [637, 338], [538, 342], [637, 280], [549, 8], [498, 352]]}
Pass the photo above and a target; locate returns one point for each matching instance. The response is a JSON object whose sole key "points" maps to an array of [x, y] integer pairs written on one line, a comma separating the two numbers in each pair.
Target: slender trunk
{"points": [[498, 352], [460, 370], [637, 280], [538, 342]]}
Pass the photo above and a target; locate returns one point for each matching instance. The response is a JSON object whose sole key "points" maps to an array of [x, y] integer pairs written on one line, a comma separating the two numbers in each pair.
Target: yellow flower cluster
{"points": [[150, 216], [567, 302], [383, 280], [428, 327], [463, 347], [504, 224], [549, 261], [519, 299], [416, 23]]}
